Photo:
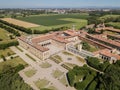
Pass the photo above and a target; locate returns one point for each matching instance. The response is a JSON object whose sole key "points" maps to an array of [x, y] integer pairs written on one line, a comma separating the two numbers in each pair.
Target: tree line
{"points": [[5, 45], [30, 31], [9, 29]]}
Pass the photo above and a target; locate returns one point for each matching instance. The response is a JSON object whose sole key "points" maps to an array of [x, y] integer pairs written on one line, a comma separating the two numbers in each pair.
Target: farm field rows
{"points": [[20, 23], [56, 21]]}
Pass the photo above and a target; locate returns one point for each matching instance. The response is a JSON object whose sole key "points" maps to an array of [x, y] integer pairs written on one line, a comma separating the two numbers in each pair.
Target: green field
{"points": [[13, 62], [114, 24], [4, 35], [55, 21], [109, 16], [6, 52]]}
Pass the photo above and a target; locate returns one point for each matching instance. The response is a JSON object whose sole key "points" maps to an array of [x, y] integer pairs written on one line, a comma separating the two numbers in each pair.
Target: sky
{"points": [[58, 3]]}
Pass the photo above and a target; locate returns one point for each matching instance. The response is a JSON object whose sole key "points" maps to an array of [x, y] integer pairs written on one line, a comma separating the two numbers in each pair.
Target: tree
{"points": [[3, 57], [85, 46], [8, 54], [71, 77], [91, 30]]}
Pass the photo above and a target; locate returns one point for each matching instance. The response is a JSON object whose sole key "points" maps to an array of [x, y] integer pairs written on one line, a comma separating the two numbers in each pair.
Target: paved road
{"points": [[42, 72]]}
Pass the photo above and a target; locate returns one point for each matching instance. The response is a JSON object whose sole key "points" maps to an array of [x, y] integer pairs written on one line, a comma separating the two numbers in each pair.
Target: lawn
{"points": [[80, 59], [70, 65], [13, 62], [4, 35], [93, 48], [6, 52], [52, 88], [57, 59], [67, 53], [41, 83], [30, 72], [57, 73], [45, 65], [55, 21], [64, 81]]}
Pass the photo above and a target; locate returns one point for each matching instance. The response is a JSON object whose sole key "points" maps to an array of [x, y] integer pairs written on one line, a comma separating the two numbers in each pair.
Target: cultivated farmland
{"points": [[56, 21], [20, 23]]}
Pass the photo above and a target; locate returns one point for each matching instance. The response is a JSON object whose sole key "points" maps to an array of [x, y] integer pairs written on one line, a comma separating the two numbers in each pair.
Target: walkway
{"points": [[41, 72]]}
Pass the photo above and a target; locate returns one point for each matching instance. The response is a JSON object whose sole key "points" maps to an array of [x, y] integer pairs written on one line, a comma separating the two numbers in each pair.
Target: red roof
{"points": [[107, 52], [112, 42], [39, 47]]}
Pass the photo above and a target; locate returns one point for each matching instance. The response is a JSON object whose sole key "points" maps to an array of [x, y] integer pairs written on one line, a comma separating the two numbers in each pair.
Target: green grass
{"points": [[80, 59], [93, 48], [30, 72], [57, 73], [6, 52], [52, 88], [70, 65], [114, 24], [67, 53], [109, 16], [41, 83], [45, 65], [13, 62], [78, 78], [64, 81], [4, 34], [56, 21], [57, 59], [66, 67]]}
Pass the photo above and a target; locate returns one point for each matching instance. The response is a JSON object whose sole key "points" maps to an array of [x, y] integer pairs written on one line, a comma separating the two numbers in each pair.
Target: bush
{"points": [[71, 77], [95, 63], [10, 79]]}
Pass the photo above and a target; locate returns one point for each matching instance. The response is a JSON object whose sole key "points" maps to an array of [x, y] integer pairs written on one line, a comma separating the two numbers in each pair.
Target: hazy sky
{"points": [[57, 3]]}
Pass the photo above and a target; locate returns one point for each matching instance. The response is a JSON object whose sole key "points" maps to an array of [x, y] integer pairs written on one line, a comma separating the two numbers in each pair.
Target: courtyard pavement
{"points": [[41, 72]]}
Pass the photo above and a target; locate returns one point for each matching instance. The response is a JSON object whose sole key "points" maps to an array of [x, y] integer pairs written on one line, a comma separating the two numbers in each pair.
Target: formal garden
{"points": [[106, 75]]}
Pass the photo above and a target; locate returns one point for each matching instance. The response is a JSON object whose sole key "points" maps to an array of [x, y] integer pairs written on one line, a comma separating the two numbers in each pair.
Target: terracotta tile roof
{"points": [[116, 36], [43, 38], [39, 47], [96, 42], [112, 42], [107, 52], [71, 32], [59, 39], [103, 50], [109, 29]]}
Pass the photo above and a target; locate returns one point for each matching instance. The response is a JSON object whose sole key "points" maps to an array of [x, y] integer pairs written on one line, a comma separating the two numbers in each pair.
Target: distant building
{"points": [[107, 54]]}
